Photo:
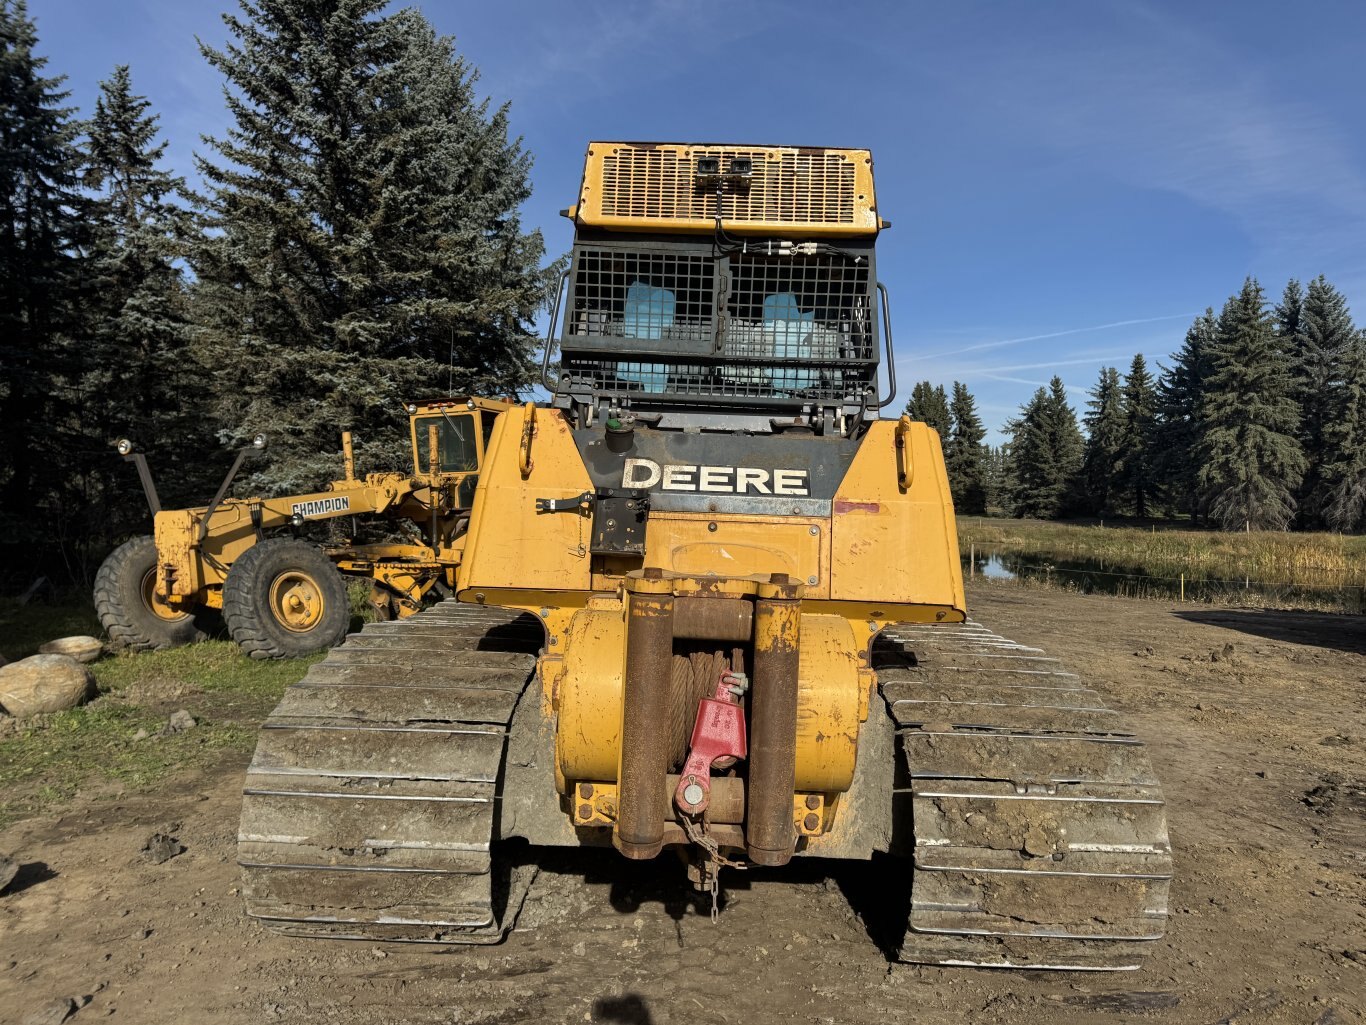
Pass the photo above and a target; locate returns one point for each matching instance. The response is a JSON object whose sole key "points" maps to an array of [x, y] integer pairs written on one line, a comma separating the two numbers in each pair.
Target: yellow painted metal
{"points": [[194, 556], [893, 544], [296, 601], [700, 544], [797, 191], [517, 548], [161, 609]]}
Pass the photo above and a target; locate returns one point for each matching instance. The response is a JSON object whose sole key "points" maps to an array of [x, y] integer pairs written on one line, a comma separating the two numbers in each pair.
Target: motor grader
{"points": [[711, 601], [283, 595]]}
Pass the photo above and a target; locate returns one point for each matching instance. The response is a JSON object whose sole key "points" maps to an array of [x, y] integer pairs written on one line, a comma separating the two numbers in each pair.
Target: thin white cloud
{"points": [[959, 350]]}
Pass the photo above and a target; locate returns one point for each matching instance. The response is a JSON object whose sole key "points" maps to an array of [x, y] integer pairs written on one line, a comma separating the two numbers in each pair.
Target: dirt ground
{"points": [[1256, 726]]}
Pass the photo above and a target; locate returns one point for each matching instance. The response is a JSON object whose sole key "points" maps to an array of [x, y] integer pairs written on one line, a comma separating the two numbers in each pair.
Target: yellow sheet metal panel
{"points": [[511, 545], [589, 694], [828, 699], [891, 543], [705, 545], [793, 190]]}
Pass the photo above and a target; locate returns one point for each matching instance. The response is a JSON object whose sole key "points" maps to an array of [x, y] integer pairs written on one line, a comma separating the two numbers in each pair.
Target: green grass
{"points": [[24, 627], [46, 761], [1307, 569]]}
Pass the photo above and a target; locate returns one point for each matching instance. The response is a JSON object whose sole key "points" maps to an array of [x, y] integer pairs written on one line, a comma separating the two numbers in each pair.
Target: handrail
{"points": [[887, 334], [550, 333], [528, 428], [904, 468]]}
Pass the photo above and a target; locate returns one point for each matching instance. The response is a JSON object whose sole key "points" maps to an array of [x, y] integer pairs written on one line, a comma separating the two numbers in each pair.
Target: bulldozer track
{"points": [[1040, 834], [372, 800]]}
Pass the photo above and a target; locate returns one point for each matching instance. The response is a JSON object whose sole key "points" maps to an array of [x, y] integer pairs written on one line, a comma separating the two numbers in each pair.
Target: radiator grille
{"points": [[787, 187]]}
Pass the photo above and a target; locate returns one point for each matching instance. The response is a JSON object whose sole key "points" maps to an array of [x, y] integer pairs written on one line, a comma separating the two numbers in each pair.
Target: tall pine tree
{"points": [[1045, 455], [1346, 507], [1136, 459], [1250, 459], [967, 456], [1318, 352], [1179, 424], [1104, 424], [39, 159], [930, 405], [362, 232]]}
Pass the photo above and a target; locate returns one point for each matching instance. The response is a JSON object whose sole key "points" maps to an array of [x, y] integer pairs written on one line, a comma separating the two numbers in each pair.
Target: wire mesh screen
{"points": [[791, 327]]}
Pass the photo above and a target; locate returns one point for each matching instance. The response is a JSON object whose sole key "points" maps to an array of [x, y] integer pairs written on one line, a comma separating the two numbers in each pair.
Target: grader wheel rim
{"points": [[296, 601], [158, 607]]}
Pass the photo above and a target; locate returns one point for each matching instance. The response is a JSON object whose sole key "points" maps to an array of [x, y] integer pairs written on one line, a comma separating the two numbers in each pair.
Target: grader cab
{"points": [[279, 593]]}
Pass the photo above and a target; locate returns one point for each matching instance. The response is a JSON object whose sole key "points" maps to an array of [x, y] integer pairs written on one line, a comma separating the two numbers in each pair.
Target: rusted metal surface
{"points": [[770, 833], [645, 722], [713, 619]]}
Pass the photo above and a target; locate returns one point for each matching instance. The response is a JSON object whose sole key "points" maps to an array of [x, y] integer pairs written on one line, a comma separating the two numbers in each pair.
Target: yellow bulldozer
{"points": [[279, 594], [710, 600]]}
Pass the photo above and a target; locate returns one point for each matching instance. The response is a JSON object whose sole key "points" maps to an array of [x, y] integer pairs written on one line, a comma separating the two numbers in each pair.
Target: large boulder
{"points": [[44, 683], [82, 649]]}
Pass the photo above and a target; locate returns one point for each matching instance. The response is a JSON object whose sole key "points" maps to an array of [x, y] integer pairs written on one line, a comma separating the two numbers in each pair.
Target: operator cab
{"points": [[461, 427], [723, 288]]}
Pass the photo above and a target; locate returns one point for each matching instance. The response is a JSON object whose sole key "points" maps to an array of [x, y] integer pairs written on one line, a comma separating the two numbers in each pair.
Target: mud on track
{"points": [[1261, 749]]}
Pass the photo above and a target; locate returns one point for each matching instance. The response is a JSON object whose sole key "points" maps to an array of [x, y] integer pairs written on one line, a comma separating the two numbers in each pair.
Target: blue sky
{"points": [[1069, 182]]}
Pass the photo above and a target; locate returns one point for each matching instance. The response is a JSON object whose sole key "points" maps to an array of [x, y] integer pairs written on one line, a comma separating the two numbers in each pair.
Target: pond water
{"points": [[1099, 576]]}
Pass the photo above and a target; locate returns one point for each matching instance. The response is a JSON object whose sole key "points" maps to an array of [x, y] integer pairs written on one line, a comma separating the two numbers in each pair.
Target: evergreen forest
{"points": [[353, 242], [1258, 422]]}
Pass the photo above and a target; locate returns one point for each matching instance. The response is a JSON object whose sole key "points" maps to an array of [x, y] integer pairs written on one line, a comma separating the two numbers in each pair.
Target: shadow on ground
{"points": [[1320, 629]]}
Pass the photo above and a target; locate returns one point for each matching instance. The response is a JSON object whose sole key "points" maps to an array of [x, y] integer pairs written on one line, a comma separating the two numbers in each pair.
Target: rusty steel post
{"points": [[770, 835], [641, 773], [713, 619]]}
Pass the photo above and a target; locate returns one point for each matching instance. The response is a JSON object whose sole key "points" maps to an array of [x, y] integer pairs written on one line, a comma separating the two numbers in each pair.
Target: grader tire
{"points": [[126, 603], [283, 599]]}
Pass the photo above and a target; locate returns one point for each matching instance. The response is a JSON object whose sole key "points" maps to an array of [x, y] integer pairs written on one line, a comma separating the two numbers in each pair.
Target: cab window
{"points": [[457, 451]]}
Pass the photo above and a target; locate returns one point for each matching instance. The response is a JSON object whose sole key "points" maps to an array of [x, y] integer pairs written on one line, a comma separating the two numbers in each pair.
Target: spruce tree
{"points": [[1324, 333], [141, 377], [1137, 449], [1346, 507], [362, 241], [1250, 459], [1179, 424], [1104, 443], [930, 405], [1031, 492], [967, 456], [38, 224], [1045, 455]]}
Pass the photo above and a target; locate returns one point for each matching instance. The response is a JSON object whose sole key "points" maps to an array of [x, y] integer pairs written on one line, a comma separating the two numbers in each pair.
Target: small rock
{"points": [[1199, 706], [44, 683], [378, 953], [140, 735], [1264, 773], [82, 649], [9, 868], [179, 722], [161, 847], [53, 1012], [140, 934]]}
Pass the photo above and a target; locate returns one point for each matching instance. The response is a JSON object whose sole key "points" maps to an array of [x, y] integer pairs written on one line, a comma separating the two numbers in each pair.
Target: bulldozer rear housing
{"points": [[711, 600]]}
